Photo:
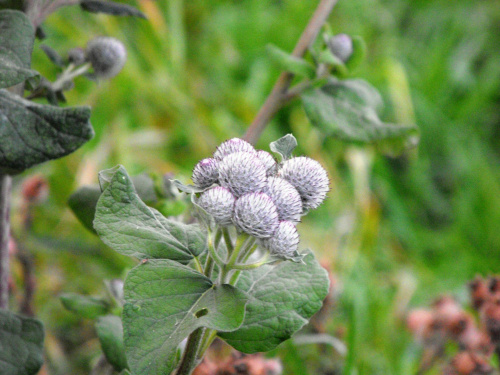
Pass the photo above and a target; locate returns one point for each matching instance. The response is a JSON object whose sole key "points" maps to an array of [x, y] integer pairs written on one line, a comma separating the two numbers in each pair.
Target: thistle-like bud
{"points": [[231, 146], [341, 46], [256, 214], [241, 173], [219, 203], [285, 241], [205, 173], [107, 56], [308, 177], [268, 161], [285, 197]]}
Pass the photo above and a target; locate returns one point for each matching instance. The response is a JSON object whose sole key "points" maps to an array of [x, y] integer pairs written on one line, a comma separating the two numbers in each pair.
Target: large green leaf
{"points": [[281, 299], [132, 228], [165, 302], [21, 344], [348, 110], [110, 332], [32, 133], [16, 44]]}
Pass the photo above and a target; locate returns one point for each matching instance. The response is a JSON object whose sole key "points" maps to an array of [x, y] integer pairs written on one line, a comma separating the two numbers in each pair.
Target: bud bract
{"points": [[308, 177], [285, 197], [219, 203], [76, 56], [268, 161], [341, 46], [231, 146], [241, 173], [256, 214], [284, 242], [107, 56], [205, 173]]}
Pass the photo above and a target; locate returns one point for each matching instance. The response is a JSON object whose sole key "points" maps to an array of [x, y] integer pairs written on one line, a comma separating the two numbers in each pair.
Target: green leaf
{"points": [[132, 228], [53, 56], [87, 307], [281, 299], [21, 344], [291, 63], [165, 302], [358, 53], [348, 110], [16, 44], [83, 203], [111, 7], [284, 146], [110, 332], [32, 133]]}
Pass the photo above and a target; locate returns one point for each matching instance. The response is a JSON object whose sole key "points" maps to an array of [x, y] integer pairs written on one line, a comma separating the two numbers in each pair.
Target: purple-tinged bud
{"points": [[242, 173], [285, 197], [308, 177], [107, 56], [219, 203], [205, 173], [341, 46], [256, 214], [268, 161], [231, 146], [285, 241]]}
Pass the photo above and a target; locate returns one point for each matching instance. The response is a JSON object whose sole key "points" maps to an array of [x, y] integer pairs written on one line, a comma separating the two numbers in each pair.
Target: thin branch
{"points": [[277, 97], [5, 189]]}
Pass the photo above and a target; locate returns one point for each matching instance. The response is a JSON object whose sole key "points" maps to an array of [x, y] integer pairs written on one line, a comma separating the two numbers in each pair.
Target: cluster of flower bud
{"points": [[249, 189]]}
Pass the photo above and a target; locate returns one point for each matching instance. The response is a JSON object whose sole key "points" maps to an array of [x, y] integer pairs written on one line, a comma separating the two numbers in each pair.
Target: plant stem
{"points": [[277, 97], [189, 359], [5, 189]]}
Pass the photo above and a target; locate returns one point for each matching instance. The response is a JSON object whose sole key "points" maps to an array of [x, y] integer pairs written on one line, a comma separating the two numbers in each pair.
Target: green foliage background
{"points": [[397, 232]]}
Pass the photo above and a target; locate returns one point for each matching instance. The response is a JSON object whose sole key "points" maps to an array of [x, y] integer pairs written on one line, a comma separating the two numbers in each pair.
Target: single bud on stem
{"points": [[285, 241], [256, 214], [231, 146], [285, 197], [219, 203], [106, 55], [205, 173], [242, 173], [341, 46]]}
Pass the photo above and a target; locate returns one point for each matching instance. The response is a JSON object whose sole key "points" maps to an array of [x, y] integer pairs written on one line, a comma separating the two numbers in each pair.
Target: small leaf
{"points": [[110, 332], [327, 57], [284, 146], [110, 7], [21, 344], [32, 133], [16, 44], [358, 53], [87, 307], [131, 228], [348, 110], [83, 203], [291, 63], [52, 54], [281, 299], [165, 302], [189, 189]]}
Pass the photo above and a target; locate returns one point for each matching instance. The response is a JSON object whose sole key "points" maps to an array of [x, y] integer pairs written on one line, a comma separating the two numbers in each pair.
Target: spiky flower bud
{"points": [[205, 173], [256, 214], [308, 177], [231, 146], [268, 161], [241, 173], [219, 203], [285, 241], [341, 46], [285, 197], [107, 56]]}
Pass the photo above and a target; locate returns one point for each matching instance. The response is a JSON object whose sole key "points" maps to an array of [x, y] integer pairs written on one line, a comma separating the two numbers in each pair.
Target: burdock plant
{"points": [[236, 274]]}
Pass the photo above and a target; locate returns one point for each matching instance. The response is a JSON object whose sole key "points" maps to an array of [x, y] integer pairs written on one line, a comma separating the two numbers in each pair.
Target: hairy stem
{"points": [[189, 358], [5, 188], [278, 96]]}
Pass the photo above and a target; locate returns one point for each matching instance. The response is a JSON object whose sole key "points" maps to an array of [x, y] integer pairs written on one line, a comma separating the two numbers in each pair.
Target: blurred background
{"points": [[395, 232]]}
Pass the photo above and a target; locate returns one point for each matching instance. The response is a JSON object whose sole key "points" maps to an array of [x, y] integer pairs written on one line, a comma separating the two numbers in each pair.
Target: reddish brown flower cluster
{"points": [[240, 364], [448, 321]]}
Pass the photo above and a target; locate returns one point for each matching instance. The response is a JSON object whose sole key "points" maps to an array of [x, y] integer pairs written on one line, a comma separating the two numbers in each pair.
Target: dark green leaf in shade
{"points": [[347, 110], [290, 63], [281, 299], [284, 146], [130, 227], [83, 203], [84, 306], [16, 44], [21, 344], [52, 54], [110, 7], [11, 4], [32, 133], [165, 302], [110, 332]]}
